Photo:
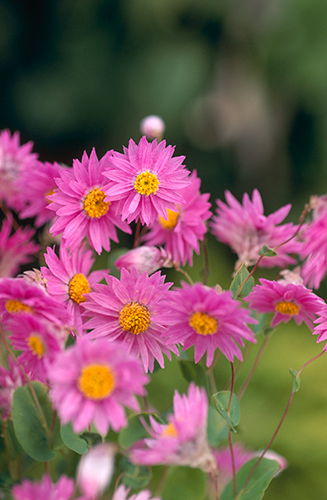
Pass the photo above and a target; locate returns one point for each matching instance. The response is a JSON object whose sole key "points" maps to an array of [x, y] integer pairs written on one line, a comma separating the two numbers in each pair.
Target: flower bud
{"points": [[95, 470], [146, 258], [153, 127]]}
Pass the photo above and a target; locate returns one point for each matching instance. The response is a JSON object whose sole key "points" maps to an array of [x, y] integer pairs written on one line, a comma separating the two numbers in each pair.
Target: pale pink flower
{"points": [[145, 258], [13, 160], [91, 382], [153, 127], [17, 249], [69, 279], [183, 441], [133, 310], [44, 489], [95, 470], [246, 230], [146, 180], [10, 379], [122, 492], [185, 227], [224, 462], [286, 301], [80, 206], [208, 320]]}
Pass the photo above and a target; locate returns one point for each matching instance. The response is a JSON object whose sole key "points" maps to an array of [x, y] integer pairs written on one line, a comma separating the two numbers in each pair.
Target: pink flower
{"points": [[185, 225], [37, 184], [145, 180], [95, 470], [13, 160], [224, 462], [80, 207], [39, 343], [208, 320], [321, 328], [10, 379], [134, 311], [183, 441], [246, 229], [153, 127], [69, 279], [285, 301], [44, 489], [122, 492], [17, 249], [145, 258], [92, 380]]}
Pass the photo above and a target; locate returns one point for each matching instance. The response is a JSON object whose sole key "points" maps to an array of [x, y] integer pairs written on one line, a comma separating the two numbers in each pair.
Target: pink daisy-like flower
{"points": [[224, 462], [10, 379], [246, 229], [15, 250], [37, 184], [203, 318], [185, 225], [184, 440], [122, 492], [19, 296], [286, 301], [95, 470], [321, 328], [44, 489], [146, 180], [69, 279], [134, 311], [145, 258], [39, 343], [80, 207], [92, 380], [13, 160]]}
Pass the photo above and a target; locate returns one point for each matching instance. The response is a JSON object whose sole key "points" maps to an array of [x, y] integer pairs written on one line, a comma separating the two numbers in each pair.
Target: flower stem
{"points": [[205, 270]]}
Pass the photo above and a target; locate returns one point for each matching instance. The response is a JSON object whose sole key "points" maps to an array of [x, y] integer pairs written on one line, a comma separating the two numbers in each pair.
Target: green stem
{"points": [[187, 276], [230, 433]]}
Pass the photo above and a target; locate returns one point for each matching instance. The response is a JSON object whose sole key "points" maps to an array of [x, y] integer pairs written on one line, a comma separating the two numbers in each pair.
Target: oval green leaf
{"points": [[238, 287], [221, 401], [72, 440]]}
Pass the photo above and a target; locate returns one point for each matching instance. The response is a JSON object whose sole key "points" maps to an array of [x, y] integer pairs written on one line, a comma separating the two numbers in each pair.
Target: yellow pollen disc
{"points": [[15, 306], [78, 286], [146, 183], [94, 205], [172, 220], [35, 344], [134, 318], [287, 308], [49, 193], [170, 431], [96, 381], [203, 324]]}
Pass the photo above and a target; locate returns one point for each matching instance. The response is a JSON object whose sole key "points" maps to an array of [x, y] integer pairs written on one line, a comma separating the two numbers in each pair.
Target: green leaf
{"points": [[237, 288], [193, 372], [135, 476], [267, 251], [184, 482], [92, 438], [72, 440], [221, 401], [217, 428], [28, 425], [134, 431], [258, 483], [296, 380]]}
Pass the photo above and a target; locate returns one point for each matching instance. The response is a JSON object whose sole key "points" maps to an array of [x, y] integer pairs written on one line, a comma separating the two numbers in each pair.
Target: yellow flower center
{"points": [[146, 183], [134, 318], [172, 220], [78, 286], [16, 306], [170, 431], [49, 193], [287, 308], [96, 381], [36, 346], [94, 205], [203, 324]]}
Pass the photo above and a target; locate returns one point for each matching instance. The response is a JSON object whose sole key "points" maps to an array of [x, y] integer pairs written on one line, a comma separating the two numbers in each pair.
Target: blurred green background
{"points": [[242, 87]]}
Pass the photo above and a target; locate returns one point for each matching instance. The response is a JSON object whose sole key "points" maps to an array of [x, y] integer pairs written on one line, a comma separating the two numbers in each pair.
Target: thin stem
{"points": [[238, 364], [213, 364], [230, 432], [187, 276], [137, 234], [161, 480], [205, 271], [254, 367]]}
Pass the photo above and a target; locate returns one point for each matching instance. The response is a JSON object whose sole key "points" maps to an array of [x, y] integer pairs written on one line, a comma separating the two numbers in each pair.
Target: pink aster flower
{"points": [[285, 301], [10, 379], [37, 184], [69, 279], [92, 381], [183, 441], [134, 311], [145, 258], [13, 160], [80, 207], [38, 342], [321, 328], [180, 234], [208, 320], [17, 249], [122, 492], [146, 180], [95, 470], [44, 489], [224, 462], [246, 229]]}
